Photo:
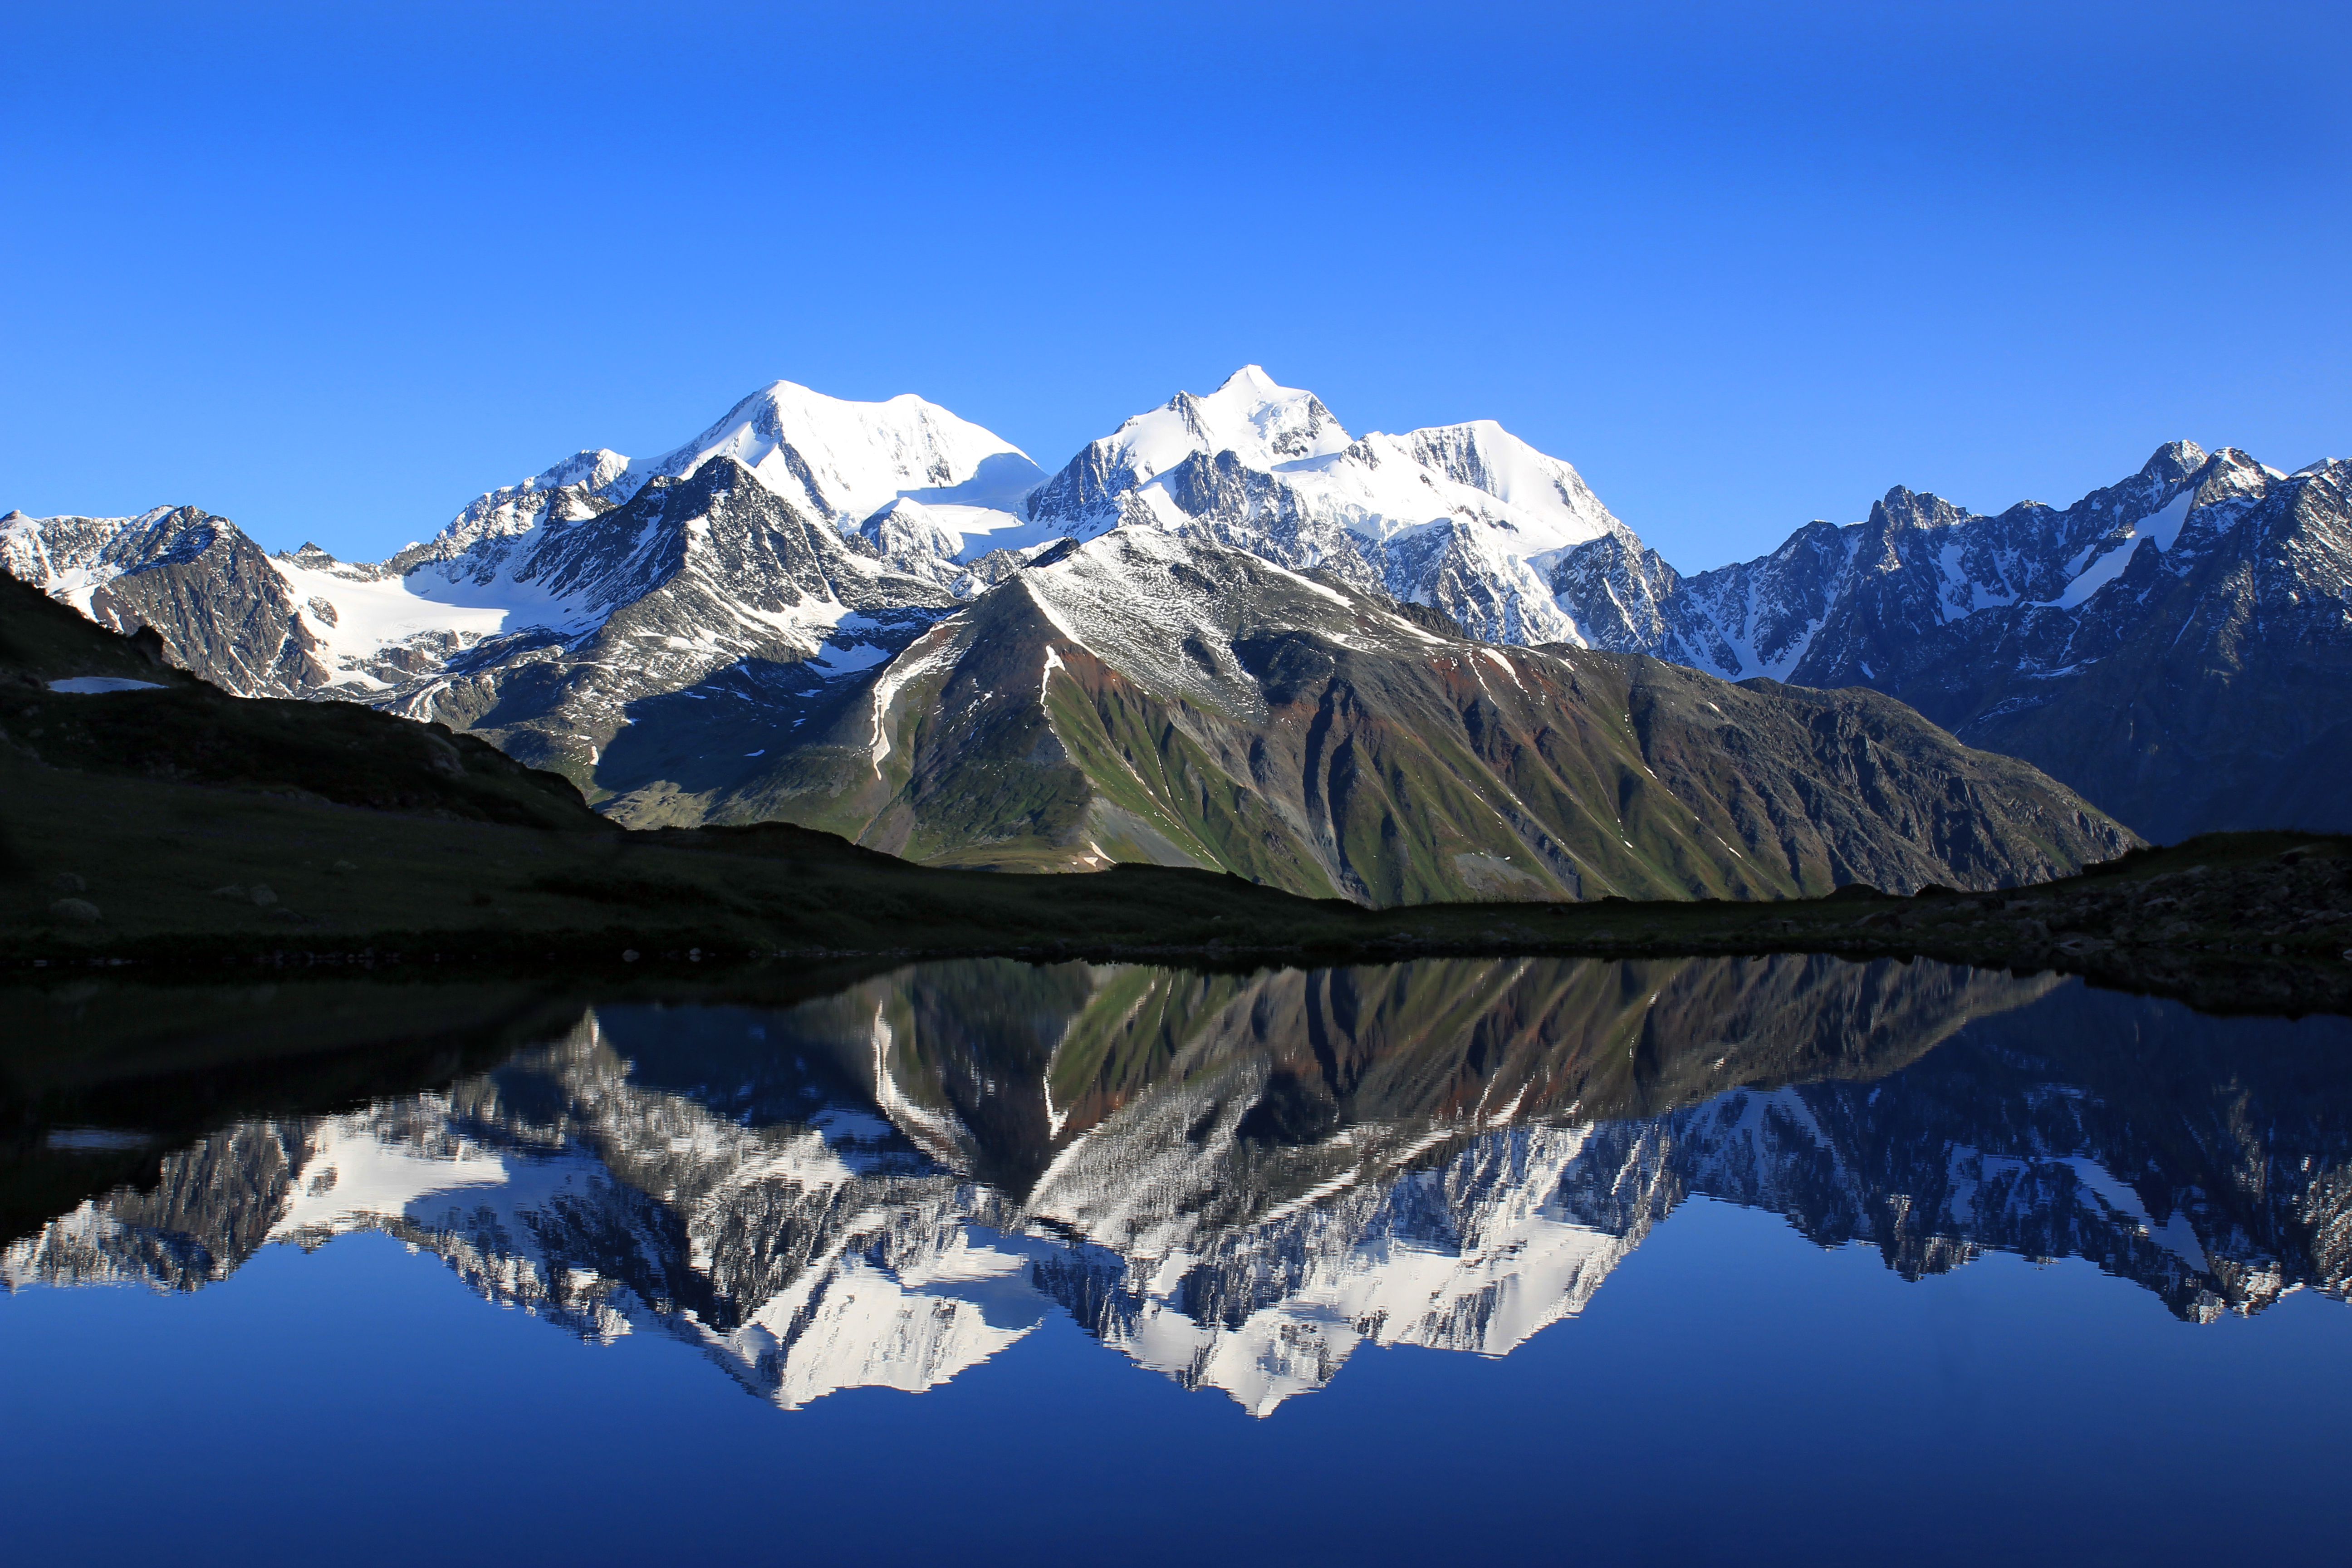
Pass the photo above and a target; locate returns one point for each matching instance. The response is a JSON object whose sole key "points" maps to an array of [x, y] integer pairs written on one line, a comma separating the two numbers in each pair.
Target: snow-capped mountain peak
{"points": [[576, 487], [833, 459], [602, 470], [1465, 518], [2174, 461], [1263, 424], [2071, 636], [1544, 504], [840, 461]]}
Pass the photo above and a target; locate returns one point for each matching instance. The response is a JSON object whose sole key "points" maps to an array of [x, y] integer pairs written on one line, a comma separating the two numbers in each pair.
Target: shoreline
{"points": [[2247, 979]]}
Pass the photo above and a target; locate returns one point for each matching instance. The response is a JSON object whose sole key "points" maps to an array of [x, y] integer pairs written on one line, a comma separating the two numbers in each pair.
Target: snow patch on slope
{"points": [[2091, 573]]}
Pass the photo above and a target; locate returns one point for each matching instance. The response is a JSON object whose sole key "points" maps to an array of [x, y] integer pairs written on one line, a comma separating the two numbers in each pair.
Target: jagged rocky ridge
{"points": [[1237, 1180], [688, 642], [2178, 647], [1463, 517], [551, 637]]}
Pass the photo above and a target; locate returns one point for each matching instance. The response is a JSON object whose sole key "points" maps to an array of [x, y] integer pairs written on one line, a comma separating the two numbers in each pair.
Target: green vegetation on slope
{"points": [[1119, 704]]}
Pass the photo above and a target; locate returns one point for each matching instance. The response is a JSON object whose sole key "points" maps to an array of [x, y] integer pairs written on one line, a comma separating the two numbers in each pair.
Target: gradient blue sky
{"points": [[331, 270]]}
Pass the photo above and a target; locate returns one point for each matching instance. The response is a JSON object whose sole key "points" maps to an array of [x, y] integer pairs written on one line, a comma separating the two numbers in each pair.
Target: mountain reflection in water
{"points": [[1236, 1180]]}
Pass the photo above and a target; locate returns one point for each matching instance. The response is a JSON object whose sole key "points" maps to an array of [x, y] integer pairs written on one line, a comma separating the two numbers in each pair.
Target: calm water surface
{"points": [[1780, 1260]]}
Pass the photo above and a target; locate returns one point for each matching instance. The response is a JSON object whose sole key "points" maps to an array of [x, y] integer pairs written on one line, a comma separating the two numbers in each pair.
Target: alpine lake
{"points": [[1782, 1259]]}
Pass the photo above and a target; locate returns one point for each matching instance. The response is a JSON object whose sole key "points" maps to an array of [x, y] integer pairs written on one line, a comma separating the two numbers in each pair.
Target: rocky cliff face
{"points": [[1239, 1180], [549, 628], [705, 589], [214, 595]]}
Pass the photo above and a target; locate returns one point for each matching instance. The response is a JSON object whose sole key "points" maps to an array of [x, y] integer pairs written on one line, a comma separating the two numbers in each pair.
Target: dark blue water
{"points": [[1694, 1262]]}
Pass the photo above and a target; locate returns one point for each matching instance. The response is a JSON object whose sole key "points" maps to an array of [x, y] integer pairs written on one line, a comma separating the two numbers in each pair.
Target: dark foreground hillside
{"points": [[172, 825]]}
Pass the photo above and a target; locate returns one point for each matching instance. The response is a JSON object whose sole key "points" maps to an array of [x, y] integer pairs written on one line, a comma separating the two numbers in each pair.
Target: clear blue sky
{"points": [[331, 270]]}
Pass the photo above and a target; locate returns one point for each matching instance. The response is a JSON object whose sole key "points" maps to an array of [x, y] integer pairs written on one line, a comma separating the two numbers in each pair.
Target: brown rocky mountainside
{"points": [[1143, 699]]}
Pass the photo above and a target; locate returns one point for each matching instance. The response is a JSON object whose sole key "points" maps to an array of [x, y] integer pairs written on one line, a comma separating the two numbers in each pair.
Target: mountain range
{"points": [[2176, 646], [1239, 1180], [1231, 633]]}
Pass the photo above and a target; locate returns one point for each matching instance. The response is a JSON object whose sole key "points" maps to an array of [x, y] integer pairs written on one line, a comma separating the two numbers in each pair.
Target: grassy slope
{"points": [[1401, 776]]}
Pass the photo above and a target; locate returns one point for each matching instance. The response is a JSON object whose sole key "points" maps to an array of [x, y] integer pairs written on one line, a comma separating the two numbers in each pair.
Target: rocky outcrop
{"points": [[205, 590]]}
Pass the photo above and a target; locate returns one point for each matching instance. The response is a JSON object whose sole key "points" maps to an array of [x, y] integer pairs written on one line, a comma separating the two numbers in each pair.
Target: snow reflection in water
{"points": [[1237, 1180]]}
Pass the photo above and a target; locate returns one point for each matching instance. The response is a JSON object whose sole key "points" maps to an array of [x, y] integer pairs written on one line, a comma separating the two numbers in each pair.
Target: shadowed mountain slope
{"points": [[2177, 646]]}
